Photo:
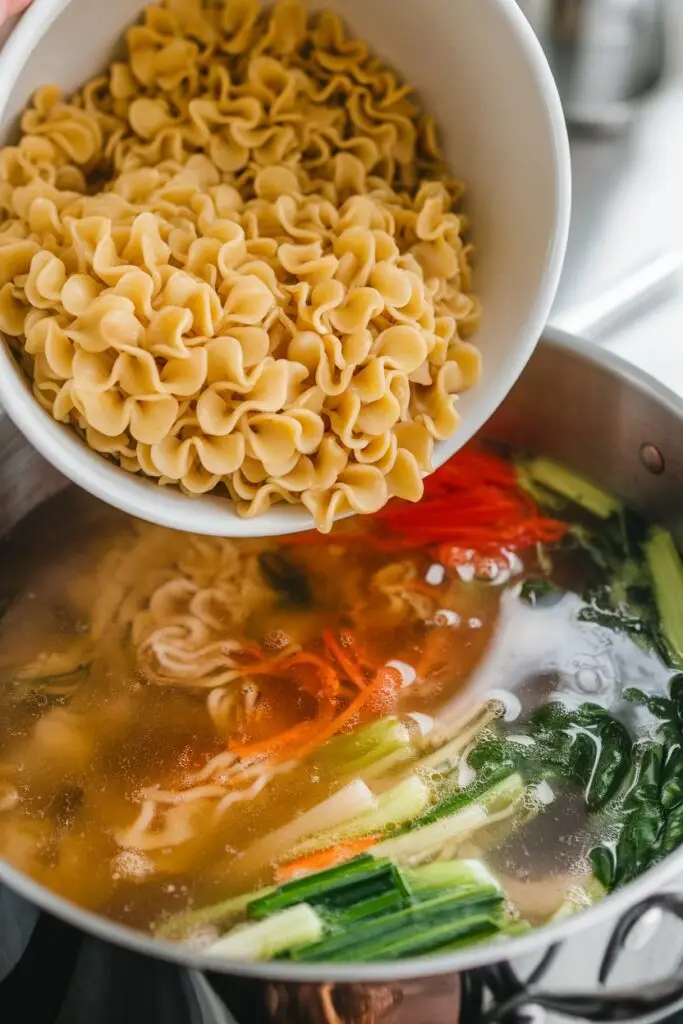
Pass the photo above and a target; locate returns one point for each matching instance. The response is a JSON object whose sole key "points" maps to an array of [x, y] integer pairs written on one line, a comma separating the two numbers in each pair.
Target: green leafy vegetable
{"points": [[647, 812], [585, 746]]}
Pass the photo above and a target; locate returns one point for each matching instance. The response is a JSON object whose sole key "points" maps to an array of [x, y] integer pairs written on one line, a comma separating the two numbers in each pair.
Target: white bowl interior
{"points": [[482, 74]]}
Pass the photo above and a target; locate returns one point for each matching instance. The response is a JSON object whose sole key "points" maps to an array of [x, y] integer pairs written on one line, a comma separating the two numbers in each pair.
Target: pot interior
{"points": [[573, 404]]}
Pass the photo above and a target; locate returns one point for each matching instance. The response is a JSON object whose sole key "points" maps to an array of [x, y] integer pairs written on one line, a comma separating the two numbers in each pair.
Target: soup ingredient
{"points": [[472, 505], [371, 910], [553, 477], [403, 802], [251, 273], [648, 810], [625, 781], [321, 860], [454, 820], [299, 925], [666, 569], [252, 727], [584, 745], [373, 750], [646, 594]]}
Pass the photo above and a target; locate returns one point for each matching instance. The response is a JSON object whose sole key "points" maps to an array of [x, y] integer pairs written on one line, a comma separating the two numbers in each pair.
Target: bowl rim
{"points": [[213, 514]]}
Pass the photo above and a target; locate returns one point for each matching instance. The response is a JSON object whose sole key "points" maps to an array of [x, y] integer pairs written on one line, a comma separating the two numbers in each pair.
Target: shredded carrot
{"points": [[325, 671], [346, 657], [328, 689], [323, 859], [276, 744], [472, 513], [383, 675]]}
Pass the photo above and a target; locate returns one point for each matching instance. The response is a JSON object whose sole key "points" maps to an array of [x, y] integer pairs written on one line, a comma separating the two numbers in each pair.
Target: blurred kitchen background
{"points": [[619, 68]]}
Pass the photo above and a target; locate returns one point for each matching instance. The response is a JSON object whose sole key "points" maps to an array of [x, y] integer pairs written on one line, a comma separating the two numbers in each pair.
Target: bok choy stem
{"points": [[346, 805], [261, 940], [571, 485], [448, 825], [220, 914], [666, 570], [405, 801]]}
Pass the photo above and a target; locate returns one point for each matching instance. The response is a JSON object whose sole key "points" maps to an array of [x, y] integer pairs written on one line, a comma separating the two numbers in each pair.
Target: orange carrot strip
{"points": [[274, 744], [335, 648], [277, 665], [323, 859], [326, 672], [352, 710]]}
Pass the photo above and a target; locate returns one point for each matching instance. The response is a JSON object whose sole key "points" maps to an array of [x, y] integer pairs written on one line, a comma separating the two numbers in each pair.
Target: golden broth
{"points": [[78, 746]]}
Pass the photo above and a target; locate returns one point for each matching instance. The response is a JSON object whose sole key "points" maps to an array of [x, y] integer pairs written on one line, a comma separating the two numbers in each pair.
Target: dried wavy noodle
{"points": [[235, 260]]}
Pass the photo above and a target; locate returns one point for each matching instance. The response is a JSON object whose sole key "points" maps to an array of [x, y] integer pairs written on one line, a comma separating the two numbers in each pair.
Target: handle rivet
{"points": [[652, 459]]}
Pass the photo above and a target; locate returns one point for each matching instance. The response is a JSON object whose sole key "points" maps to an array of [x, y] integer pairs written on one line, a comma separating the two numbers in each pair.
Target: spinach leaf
{"points": [[647, 810]]}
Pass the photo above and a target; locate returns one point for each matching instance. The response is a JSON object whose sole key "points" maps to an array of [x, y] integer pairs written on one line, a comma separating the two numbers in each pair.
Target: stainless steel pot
{"points": [[604, 54], [610, 421]]}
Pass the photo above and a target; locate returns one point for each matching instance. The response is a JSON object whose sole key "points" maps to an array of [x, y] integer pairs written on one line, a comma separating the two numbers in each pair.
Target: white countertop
{"points": [[628, 205]]}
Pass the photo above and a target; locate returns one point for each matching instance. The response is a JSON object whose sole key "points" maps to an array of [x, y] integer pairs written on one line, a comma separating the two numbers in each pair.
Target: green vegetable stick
{"points": [[574, 487], [666, 569], [262, 940]]}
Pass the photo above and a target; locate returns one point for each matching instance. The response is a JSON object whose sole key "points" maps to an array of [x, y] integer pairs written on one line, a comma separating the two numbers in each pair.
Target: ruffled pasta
{"points": [[235, 260]]}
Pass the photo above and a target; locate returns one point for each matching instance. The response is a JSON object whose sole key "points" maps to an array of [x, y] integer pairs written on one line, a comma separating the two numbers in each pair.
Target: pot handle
{"points": [[645, 1002]]}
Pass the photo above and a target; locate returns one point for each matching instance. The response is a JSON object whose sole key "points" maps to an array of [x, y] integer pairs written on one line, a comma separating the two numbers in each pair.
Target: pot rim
{"points": [[533, 942]]}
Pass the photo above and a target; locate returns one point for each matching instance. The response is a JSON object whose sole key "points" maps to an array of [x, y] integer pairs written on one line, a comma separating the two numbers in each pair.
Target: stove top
{"points": [[51, 973]]}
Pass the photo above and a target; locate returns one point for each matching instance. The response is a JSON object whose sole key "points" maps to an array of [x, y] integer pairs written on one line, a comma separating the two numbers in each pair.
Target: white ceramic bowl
{"points": [[482, 73]]}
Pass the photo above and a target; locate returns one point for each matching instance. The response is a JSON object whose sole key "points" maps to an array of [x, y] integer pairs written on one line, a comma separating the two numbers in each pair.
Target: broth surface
{"points": [[117, 757]]}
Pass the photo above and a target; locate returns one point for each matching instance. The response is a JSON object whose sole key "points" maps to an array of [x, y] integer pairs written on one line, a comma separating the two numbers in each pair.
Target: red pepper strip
{"points": [[471, 502]]}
